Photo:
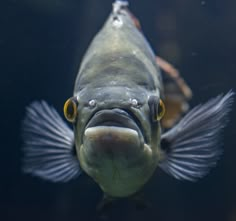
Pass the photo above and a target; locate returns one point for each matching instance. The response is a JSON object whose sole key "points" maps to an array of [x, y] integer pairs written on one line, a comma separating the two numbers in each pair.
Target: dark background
{"points": [[41, 46]]}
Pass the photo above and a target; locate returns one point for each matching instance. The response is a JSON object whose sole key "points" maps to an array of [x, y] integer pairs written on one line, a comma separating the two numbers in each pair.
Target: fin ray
{"points": [[48, 145], [194, 143]]}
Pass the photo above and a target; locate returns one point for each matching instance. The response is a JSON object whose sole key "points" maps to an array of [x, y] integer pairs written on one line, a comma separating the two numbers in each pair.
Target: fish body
{"points": [[116, 110], [119, 74]]}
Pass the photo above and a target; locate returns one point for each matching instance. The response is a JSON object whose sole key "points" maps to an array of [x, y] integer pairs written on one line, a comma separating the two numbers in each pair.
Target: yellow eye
{"points": [[161, 110], [70, 109], [157, 108]]}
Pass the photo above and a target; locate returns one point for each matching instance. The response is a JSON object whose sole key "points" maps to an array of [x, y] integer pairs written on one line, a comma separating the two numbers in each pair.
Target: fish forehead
{"points": [[114, 95], [117, 69], [120, 56]]}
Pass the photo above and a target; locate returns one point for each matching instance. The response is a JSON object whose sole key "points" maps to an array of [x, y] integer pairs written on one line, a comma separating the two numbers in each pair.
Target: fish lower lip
{"points": [[109, 139], [109, 130]]}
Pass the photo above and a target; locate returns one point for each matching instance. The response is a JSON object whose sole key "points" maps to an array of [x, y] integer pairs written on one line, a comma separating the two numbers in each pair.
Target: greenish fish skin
{"points": [[118, 67]]}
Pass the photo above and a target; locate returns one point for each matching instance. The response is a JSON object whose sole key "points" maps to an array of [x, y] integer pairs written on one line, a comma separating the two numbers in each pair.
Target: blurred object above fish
{"points": [[120, 99]]}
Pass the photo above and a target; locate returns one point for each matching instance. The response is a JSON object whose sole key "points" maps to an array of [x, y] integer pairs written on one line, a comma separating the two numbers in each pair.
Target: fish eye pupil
{"points": [[70, 110]]}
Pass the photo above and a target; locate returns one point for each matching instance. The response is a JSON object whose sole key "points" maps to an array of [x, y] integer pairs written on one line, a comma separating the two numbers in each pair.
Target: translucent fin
{"points": [[193, 146], [48, 145]]}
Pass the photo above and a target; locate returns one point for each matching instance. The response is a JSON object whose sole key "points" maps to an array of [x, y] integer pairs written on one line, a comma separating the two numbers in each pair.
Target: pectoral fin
{"points": [[192, 147], [48, 145]]}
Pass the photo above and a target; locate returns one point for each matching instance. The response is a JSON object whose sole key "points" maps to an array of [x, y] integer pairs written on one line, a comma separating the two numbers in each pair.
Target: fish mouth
{"points": [[113, 130], [114, 118]]}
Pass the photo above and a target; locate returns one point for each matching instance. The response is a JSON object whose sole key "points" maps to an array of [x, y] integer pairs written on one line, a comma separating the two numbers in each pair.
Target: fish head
{"points": [[115, 133]]}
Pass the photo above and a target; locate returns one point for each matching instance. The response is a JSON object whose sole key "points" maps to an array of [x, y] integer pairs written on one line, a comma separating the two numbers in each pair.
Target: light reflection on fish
{"points": [[116, 111]]}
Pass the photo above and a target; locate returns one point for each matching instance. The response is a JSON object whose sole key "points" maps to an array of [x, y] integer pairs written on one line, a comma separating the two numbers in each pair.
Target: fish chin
{"points": [[114, 153]]}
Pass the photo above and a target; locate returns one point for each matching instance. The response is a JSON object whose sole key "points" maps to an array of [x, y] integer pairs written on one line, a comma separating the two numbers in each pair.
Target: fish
{"points": [[116, 111]]}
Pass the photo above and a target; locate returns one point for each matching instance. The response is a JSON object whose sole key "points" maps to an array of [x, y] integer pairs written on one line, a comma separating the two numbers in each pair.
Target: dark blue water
{"points": [[41, 46]]}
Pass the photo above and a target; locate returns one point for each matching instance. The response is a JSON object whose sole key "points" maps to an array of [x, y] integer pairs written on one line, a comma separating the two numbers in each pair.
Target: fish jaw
{"points": [[112, 140], [116, 144], [119, 171], [113, 131], [116, 156]]}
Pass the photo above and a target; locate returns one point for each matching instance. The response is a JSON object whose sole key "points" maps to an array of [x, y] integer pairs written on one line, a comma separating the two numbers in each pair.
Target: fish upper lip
{"points": [[114, 117]]}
